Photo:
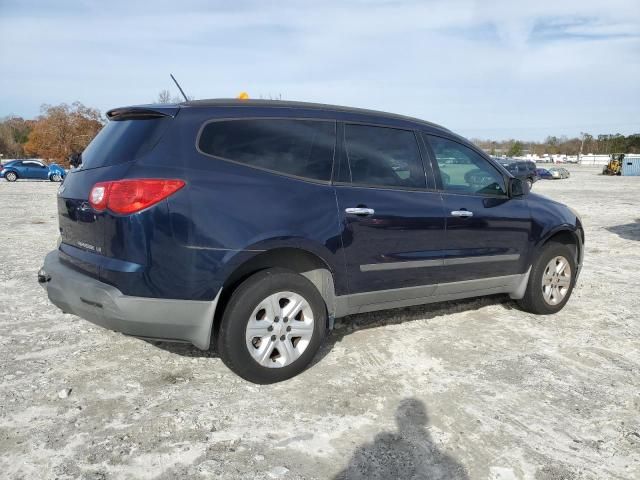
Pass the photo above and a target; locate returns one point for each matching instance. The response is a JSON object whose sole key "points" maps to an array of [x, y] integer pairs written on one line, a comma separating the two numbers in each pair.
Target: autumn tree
{"points": [[13, 135], [62, 130]]}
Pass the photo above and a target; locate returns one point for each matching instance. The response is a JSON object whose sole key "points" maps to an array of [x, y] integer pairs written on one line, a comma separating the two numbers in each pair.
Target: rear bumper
{"points": [[163, 319]]}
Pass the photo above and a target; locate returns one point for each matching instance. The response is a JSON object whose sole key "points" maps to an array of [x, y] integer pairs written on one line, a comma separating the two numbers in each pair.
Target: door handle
{"points": [[462, 213], [359, 211]]}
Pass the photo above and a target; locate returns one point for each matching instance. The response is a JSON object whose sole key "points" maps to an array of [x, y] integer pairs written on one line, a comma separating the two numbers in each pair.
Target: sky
{"points": [[485, 69]]}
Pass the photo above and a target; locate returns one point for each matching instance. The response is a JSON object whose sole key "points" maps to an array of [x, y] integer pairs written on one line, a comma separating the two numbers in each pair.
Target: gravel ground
{"points": [[474, 389]]}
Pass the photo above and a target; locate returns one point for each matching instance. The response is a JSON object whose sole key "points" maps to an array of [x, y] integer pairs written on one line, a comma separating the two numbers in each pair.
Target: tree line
{"points": [[57, 133], [584, 144], [63, 130]]}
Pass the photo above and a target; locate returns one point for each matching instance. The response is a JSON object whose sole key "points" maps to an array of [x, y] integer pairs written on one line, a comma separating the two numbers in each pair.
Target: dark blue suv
{"points": [[254, 224]]}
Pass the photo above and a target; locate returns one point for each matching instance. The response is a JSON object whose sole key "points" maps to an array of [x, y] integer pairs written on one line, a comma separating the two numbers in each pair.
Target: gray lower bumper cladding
{"points": [[102, 304]]}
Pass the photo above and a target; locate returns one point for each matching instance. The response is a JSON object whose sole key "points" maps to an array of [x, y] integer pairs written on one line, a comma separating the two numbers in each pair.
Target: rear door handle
{"points": [[359, 211], [462, 213]]}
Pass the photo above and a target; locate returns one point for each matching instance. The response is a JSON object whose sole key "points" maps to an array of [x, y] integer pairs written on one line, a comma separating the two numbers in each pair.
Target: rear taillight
{"points": [[131, 196]]}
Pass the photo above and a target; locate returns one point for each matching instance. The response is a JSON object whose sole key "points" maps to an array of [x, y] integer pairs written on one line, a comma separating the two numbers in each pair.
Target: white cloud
{"points": [[497, 69]]}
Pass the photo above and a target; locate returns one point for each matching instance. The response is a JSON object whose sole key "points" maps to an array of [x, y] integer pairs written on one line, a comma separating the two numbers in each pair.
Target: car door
{"points": [[392, 224], [42, 171], [27, 170], [487, 232], [35, 169]]}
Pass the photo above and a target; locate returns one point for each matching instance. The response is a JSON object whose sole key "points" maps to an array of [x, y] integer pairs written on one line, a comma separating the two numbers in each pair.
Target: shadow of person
{"points": [[408, 453]]}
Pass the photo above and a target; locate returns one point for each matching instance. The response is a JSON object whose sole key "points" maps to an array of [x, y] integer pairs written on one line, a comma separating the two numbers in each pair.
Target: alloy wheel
{"points": [[556, 280]]}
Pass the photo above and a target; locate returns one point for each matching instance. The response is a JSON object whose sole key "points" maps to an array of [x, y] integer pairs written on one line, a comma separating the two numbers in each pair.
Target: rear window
{"points": [[123, 141], [303, 148]]}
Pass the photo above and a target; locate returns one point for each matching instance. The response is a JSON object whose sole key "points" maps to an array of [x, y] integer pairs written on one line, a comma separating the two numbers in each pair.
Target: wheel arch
{"points": [[299, 260], [572, 237]]}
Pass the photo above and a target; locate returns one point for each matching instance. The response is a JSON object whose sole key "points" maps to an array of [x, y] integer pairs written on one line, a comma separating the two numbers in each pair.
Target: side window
{"points": [[385, 157], [303, 148], [33, 164], [464, 171]]}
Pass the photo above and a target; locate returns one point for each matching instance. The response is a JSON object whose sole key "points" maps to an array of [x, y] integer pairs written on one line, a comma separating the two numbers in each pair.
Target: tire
{"points": [[10, 177], [263, 297], [552, 296], [529, 183], [56, 177]]}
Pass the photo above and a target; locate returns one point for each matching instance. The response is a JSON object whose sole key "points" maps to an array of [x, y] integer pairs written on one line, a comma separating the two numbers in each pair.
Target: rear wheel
{"points": [[272, 326], [11, 177], [551, 280], [529, 183], [56, 177]]}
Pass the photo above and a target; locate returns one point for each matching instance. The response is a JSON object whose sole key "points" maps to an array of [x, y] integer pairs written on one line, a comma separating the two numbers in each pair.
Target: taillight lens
{"points": [[131, 196]]}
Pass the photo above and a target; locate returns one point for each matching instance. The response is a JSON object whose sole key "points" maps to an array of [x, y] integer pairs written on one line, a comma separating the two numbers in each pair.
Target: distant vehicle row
{"points": [[556, 173], [31, 169], [527, 171]]}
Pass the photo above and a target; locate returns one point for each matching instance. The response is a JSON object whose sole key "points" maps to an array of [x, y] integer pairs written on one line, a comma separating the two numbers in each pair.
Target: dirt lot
{"points": [[474, 389]]}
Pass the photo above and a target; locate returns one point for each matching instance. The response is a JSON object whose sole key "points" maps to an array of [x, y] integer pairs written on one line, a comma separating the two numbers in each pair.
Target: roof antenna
{"points": [[179, 87]]}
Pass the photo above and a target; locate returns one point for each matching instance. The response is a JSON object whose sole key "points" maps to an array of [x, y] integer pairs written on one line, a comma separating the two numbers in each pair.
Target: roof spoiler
{"points": [[143, 112]]}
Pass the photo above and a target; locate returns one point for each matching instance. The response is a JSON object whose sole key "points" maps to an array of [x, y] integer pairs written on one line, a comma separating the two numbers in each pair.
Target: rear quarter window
{"points": [[302, 148]]}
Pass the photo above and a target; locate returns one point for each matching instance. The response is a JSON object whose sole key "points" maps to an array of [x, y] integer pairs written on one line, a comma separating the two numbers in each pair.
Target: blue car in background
{"points": [[31, 169]]}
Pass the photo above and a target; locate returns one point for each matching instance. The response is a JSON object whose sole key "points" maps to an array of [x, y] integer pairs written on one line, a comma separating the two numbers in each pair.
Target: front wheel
{"points": [[11, 177], [529, 183], [272, 326], [551, 280], [56, 177]]}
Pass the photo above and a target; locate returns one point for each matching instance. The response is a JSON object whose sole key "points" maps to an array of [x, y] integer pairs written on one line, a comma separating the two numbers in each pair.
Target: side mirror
{"points": [[517, 188]]}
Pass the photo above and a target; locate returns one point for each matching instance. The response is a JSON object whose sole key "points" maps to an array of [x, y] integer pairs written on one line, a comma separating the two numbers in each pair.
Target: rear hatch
{"points": [[130, 133]]}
